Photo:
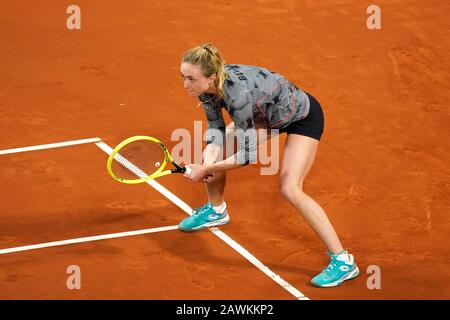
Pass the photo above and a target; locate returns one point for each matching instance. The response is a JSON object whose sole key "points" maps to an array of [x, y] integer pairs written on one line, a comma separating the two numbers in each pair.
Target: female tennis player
{"points": [[255, 97]]}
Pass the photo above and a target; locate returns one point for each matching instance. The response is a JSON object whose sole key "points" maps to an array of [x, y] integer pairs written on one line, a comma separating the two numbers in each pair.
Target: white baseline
{"points": [[50, 146]]}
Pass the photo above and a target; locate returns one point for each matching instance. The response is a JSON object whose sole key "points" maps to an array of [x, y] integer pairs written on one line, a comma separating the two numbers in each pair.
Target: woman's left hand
{"points": [[198, 173]]}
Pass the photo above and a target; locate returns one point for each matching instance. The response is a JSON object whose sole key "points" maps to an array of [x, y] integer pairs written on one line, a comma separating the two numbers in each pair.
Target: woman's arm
{"points": [[213, 155], [242, 115], [213, 159], [224, 165], [245, 129], [205, 172]]}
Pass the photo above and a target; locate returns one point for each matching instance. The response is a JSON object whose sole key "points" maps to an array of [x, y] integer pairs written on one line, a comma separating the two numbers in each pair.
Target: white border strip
{"points": [[224, 237], [247, 255], [50, 146], [86, 239]]}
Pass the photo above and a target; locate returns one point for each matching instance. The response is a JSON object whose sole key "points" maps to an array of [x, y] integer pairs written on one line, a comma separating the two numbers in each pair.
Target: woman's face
{"points": [[195, 82]]}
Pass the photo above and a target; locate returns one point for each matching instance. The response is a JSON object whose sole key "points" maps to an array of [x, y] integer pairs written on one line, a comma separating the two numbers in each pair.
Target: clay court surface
{"points": [[382, 172]]}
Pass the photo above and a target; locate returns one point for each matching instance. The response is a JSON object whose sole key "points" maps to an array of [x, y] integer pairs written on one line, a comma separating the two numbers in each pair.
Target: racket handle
{"points": [[188, 171]]}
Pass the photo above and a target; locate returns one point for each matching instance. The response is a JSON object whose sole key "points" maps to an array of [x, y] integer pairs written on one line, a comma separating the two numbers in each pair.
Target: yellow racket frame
{"points": [[158, 173]]}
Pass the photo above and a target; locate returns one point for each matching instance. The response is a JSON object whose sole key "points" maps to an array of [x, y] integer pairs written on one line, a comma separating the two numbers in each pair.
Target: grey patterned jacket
{"points": [[253, 95]]}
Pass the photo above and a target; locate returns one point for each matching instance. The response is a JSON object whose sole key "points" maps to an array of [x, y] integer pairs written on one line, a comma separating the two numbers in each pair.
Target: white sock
{"points": [[221, 208], [345, 256]]}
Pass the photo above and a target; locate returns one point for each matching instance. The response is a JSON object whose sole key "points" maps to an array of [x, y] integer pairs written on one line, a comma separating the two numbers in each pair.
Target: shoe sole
{"points": [[352, 274], [215, 223]]}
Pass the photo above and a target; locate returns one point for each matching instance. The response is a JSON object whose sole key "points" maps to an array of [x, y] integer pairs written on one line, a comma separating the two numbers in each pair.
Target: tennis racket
{"points": [[139, 159]]}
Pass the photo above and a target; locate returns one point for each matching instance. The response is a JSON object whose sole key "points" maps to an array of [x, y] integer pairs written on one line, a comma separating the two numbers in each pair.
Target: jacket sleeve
{"points": [[241, 112], [215, 132]]}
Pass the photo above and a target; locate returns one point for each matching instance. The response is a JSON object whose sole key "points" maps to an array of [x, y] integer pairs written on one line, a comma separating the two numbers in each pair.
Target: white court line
{"points": [[50, 146], [86, 239], [222, 235], [247, 255]]}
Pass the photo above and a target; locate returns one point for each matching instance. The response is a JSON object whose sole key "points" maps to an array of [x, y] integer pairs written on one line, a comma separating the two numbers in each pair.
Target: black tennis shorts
{"points": [[311, 126]]}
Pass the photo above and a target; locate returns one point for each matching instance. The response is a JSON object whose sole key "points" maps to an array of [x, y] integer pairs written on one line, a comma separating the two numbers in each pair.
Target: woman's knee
{"points": [[291, 189]]}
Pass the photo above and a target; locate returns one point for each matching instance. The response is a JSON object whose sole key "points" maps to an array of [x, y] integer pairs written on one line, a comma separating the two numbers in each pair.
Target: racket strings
{"points": [[138, 160]]}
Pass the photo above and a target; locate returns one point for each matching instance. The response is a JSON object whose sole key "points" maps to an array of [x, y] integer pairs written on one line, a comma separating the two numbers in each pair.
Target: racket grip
{"points": [[188, 171]]}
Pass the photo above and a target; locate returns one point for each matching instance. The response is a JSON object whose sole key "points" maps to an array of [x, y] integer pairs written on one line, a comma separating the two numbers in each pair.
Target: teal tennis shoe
{"points": [[341, 268], [204, 217]]}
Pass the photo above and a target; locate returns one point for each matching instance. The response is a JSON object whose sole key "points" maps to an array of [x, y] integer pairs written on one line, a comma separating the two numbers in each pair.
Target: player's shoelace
{"points": [[197, 212], [332, 265]]}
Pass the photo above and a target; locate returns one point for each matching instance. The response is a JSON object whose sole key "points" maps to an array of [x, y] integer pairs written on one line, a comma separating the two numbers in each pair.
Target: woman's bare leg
{"points": [[299, 155]]}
